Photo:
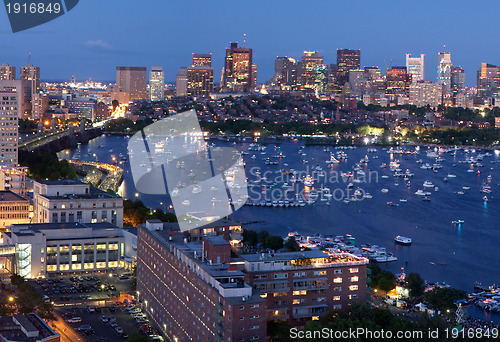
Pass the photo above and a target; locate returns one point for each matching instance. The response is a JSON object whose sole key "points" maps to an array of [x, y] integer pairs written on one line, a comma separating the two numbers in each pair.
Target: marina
{"points": [[280, 201]]}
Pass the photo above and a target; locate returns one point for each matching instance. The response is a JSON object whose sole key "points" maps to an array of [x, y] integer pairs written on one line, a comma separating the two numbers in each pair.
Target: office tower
{"points": [[357, 80], [423, 93], [457, 83], [31, 73], [39, 105], [444, 71], [332, 78], [347, 59], [310, 60], [23, 90], [10, 113], [488, 81], [372, 73], [237, 75], [132, 81], [199, 81], [7, 72], [156, 84], [397, 80], [416, 67], [202, 59], [254, 75], [321, 79], [285, 72], [181, 82]]}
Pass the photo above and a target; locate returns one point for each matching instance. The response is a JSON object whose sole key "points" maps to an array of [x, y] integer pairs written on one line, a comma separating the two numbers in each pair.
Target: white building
{"points": [[156, 84], [13, 178], [73, 201], [425, 93], [44, 248], [181, 81], [416, 67], [444, 71]]}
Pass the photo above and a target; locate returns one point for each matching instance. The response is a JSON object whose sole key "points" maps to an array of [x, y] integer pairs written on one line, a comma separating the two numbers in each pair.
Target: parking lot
{"points": [[83, 289]]}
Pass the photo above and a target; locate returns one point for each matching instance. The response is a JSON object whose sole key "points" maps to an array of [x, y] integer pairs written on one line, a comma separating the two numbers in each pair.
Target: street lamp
{"points": [[11, 299]]}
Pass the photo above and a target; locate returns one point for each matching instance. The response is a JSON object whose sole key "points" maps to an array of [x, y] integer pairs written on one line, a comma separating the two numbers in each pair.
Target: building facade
{"points": [[397, 80], [425, 93], [444, 71], [308, 70], [181, 81], [488, 81], [200, 81], [202, 59], [132, 81], [237, 75], [10, 112], [74, 201], [416, 67], [14, 179], [7, 72], [13, 209], [45, 248], [156, 84], [347, 59], [32, 74]]}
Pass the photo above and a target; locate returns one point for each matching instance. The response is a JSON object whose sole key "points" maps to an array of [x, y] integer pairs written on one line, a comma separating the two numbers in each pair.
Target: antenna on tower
{"points": [[29, 58], [244, 40]]}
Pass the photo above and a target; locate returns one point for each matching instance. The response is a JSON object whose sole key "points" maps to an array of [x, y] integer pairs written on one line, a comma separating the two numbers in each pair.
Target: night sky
{"points": [[98, 35]]}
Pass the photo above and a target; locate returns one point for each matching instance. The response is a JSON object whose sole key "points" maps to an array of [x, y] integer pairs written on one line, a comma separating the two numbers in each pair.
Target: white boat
{"points": [[428, 184], [367, 196], [385, 257], [385, 190], [403, 200], [451, 175], [485, 198], [196, 189], [457, 222], [420, 192], [175, 192], [402, 240], [308, 181]]}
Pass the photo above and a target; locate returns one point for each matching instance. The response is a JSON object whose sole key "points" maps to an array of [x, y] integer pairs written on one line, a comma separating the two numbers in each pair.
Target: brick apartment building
{"points": [[194, 291]]}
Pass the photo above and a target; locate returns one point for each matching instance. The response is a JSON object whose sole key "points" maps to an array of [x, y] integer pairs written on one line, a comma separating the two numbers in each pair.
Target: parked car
{"points": [[119, 330], [104, 319], [75, 320], [91, 309]]}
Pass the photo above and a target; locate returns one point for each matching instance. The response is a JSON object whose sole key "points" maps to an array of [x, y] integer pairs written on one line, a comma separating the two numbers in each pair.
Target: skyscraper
{"points": [[457, 83], [31, 73], [488, 81], [444, 71], [10, 112], [398, 80], [237, 75], [199, 82], [285, 72], [415, 66], [347, 59], [181, 80], [308, 69], [22, 89], [132, 81], [7, 72], [156, 84], [202, 59]]}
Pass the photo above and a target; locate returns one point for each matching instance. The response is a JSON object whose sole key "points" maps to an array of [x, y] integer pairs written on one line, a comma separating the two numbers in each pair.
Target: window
{"points": [[299, 274], [255, 306], [337, 271], [353, 270], [337, 289], [355, 278], [337, 280], [336, 298], [254, 327], [353, 296], [319, 273], [280, 294], [337, 307], [281, 276], [299, 293], [63, 217], [254, 316], [319, 300], [353, 287], [104, 216], [54, 217], [79, 216], [298, 301]]}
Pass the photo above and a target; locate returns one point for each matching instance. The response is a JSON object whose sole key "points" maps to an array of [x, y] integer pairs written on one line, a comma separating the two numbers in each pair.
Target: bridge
{"points": [[41, 140], [60, 139]]}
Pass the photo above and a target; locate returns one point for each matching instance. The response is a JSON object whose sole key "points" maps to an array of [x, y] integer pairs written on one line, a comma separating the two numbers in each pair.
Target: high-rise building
{"points": [[285, 72], [397, 80], [181, 82], [23, 90], [237, 75], [132, 81], [39, 105], [200, 81], [10, 112], [444, 71], [31, 73], [347, 59], [423, 93], [7, 72], [488, 81], [202, 59], [457, 84], [308, 69], [156, 84], [254, 75], [416, 67]]}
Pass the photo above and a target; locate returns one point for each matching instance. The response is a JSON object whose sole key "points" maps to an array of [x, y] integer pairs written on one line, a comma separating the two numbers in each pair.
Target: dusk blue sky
{"points": [[98, 35]]}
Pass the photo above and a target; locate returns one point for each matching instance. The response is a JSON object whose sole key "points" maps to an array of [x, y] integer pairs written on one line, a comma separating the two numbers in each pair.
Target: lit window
{"points": [[353, 270], [355, 278], [353, 287], [337, 280], [336, 298]]}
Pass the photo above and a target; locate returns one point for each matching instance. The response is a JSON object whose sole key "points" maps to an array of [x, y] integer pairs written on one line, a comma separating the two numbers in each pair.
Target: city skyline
{"points": [[95, 54]]}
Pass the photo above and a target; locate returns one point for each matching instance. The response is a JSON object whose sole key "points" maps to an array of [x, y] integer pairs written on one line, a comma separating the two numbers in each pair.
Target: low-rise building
{"points": [[73, 201], [26, 328], [44, 248]]}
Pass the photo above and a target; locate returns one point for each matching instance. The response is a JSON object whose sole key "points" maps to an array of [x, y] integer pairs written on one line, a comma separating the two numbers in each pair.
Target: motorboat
{"points": [[385, 190], [428, 184], [420, 192], [457, 222], [402, 240]]}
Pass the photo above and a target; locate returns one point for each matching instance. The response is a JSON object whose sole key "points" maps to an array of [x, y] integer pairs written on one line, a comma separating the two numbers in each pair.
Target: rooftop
{"points": [[24, 328], [9, 196]]}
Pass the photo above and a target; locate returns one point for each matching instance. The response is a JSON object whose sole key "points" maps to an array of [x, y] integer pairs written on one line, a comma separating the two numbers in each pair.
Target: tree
{"points": [[250, 237], [273, 242], [444, 298], [291, 244], [415, 284]]}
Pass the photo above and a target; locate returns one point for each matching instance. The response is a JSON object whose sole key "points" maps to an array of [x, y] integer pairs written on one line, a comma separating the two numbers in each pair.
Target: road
{"points": [[68, 334]]}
